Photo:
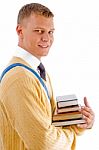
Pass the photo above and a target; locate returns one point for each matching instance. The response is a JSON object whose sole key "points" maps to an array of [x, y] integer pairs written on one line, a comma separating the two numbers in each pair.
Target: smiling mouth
{"points": [[44, 46]]}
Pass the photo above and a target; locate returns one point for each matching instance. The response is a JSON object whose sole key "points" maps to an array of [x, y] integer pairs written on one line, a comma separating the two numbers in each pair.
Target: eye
{"points": [[39, 31], [51, 32]]}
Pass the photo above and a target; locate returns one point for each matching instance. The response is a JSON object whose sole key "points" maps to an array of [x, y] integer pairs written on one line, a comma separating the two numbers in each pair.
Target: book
{"points": [[66, 97], [68, 122], [66, 100], [68, 109], [67, 116]]}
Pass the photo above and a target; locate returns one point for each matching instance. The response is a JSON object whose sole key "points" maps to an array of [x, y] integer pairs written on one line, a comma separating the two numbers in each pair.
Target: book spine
{"points": [[68, 109], [66, 104]]}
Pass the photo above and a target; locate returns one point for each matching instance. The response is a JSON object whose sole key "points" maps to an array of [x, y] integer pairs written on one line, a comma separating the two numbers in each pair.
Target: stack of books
{"points": [[67, 112]]}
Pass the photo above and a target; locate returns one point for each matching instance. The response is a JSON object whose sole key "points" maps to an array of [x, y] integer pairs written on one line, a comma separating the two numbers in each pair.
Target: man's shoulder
{"points": [[17, 72]]}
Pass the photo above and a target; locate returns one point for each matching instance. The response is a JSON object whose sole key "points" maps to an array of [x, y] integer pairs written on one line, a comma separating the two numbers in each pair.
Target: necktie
{"points": [[42, 71]]}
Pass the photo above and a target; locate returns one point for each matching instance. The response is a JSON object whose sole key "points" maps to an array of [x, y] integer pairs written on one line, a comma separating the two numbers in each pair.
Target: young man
{"points": [[26, 107]]}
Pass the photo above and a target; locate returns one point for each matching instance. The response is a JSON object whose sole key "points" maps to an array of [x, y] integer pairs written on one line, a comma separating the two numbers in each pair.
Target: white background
{"points": [[73, 62]]}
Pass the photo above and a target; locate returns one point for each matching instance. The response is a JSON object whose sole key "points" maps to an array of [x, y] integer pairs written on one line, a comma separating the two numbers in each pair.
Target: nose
{"points": [[45, 37]]}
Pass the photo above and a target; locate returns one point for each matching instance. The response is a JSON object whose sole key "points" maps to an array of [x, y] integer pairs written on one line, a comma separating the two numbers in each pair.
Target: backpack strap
{"points": [[28, 68]]}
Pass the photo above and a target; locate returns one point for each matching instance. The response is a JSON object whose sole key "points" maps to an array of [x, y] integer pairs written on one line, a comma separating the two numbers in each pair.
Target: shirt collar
{"points": [[28, 57]]}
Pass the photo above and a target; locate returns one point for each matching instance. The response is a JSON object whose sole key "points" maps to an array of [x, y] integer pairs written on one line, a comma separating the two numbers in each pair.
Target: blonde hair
{"points": [[36, 8]]}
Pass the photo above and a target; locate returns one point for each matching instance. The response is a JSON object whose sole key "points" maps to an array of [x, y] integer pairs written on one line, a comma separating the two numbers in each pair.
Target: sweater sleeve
{"points": [[31, 118]]}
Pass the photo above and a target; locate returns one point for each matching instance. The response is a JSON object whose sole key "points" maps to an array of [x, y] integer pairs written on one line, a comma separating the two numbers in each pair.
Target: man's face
{"points": [[36, 35]]}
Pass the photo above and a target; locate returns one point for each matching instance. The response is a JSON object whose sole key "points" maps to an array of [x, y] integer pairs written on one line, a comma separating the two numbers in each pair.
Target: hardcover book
{"points": [[66, 100], [67, 122], [67, 116], [67, 111]]}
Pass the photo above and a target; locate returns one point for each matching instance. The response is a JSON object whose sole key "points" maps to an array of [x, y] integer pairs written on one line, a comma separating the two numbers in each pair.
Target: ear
{"points": [[19, 30]]}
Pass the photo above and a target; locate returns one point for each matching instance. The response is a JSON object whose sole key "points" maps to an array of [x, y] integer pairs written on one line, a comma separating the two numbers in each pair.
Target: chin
{"points": [[46, 53]]}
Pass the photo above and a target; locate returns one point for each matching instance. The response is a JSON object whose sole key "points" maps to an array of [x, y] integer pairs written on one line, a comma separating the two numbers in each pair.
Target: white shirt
{"points": [[28, 57]]}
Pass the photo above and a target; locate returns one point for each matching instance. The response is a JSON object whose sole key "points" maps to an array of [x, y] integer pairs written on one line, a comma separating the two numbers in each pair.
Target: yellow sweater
{"points": [[26, 115]]}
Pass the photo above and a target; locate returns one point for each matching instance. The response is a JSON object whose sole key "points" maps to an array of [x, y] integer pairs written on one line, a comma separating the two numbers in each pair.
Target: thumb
{"points": [[86, 102]]}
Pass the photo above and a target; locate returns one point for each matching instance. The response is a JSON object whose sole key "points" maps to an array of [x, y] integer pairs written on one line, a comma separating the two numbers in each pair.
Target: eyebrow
{"points": [[43, 28]]}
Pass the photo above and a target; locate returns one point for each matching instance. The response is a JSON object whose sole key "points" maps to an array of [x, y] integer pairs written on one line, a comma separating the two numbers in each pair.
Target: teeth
{"points": [[43, 46]]}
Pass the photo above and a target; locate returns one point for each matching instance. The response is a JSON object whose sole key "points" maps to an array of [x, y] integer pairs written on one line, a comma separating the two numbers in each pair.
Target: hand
{"points": [[88, 115]]}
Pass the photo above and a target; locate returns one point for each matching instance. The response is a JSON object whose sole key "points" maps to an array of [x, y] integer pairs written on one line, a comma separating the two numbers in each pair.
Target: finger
{"points": [[89, 122], [87, 110], [84, 125], [86, 102], [86, 113]]}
